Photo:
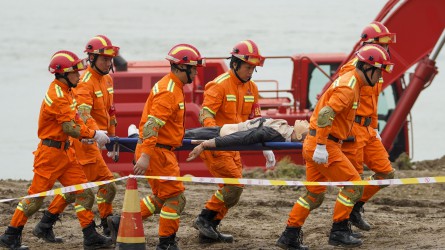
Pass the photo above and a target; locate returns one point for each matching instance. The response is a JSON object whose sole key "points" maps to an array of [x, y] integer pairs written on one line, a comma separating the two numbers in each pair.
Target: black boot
{"points": [[12, 238], [226, 238], [341, 235], [167, 243], [44, 229], [292, 239], [104, 225], [204, 223], [113, 225], [356, 217], [92, 239]]}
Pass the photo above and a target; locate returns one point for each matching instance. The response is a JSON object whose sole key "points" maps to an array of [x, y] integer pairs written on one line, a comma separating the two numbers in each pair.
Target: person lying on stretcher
{"points": [[249, 132]]}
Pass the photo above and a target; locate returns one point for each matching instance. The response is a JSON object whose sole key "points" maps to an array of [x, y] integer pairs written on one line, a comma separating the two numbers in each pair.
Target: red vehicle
{"points": [[418, 24]]}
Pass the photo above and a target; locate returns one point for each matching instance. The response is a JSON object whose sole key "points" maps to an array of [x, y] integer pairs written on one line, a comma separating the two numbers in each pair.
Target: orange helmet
{"points": [[185, 54], [64, 61], [101, 45], [248, 52], [376, 32], [376, 56]]}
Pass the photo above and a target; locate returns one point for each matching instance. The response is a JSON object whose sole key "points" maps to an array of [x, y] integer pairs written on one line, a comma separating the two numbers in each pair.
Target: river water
{"points": [[31, 31]]}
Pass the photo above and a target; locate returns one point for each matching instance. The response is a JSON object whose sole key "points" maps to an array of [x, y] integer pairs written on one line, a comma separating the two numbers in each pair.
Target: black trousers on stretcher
{"points": [[204, 133]]}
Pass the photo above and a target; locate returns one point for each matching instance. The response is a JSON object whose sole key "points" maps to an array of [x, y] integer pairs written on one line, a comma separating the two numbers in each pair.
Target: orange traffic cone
{"points": [[131, 231]]}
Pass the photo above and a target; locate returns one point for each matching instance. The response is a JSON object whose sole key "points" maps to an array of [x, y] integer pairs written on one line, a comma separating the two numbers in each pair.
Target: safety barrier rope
{"points": [[252, 182]]}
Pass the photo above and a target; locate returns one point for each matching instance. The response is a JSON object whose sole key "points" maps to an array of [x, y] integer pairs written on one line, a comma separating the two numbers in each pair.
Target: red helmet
{"points": [[248, 51], [376, 56], [101, 45], [66, 61], [185, 54], [376, 32]]}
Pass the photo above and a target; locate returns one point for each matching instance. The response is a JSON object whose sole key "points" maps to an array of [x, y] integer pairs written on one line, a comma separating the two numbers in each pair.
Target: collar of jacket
{"points": [[94, 73], [235, 79], [176, 80], [62, 85]]}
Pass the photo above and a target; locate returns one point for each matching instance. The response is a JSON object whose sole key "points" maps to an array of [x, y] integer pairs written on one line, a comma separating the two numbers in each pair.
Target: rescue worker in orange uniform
{"points": [[161, 130], [331, 123], [364, 144], [230, 98], [53, 159], [94, 96]]}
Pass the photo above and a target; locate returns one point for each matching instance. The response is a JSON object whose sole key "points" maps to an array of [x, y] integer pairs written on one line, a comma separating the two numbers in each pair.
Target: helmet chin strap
{"points": [[366, 75], [188, 72]]}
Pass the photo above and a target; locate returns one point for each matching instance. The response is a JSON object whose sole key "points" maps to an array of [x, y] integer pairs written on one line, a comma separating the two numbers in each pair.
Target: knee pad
{"points": [[85, 199], [30, 205], [108, 193], [354, 193], [69, 197], [231, 195], [382, 176], [176, 203], [314, 200]]}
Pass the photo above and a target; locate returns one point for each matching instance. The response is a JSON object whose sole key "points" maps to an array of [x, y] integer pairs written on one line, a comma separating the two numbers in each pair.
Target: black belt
{"points": [[313, 132], [56, 144], [168, 147], [164, 146], [364, 121]]}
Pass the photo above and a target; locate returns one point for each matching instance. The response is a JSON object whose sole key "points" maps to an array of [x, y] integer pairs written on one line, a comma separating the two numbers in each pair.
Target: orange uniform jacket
{"points": [[229, 100], [59, 106], [95, 91], [342, 96], [368, 96], [166, 105]]}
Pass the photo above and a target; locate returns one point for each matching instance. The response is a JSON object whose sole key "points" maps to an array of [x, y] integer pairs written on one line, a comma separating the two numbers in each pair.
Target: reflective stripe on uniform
{"points": [[302, 202], [249, 98], [171, 85], [110, 90], [148, 204], [219, 196], [222, 77], [98, 93], [231, 98], [181, 105], [79, 208], [155, 89], [169, 216], [345, 200], [86, 77], [208, 109], [59, 91], [48, 100], [158, 121], [73, 105]]}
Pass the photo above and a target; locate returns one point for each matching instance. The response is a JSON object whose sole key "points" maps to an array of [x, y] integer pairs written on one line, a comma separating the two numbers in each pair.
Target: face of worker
{"points": [[183, 74], [74, 78], [245, 71], [103, 63], [374, 78]]}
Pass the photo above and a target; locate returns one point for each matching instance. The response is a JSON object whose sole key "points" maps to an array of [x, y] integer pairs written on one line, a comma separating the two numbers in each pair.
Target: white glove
{"points": [[270, 158], [101, 138], [377, 134], [133, 131], [320, 154]]}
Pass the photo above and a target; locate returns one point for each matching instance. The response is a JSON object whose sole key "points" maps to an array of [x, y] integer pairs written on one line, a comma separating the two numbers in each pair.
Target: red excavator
{"points": [[418, 24]]}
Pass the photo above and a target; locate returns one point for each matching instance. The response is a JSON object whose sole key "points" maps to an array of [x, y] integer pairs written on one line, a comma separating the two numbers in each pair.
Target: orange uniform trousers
{"points": [[163, 162], [223, 164], [95, 170], [51, 165], [338, 168], [367, 149]]}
